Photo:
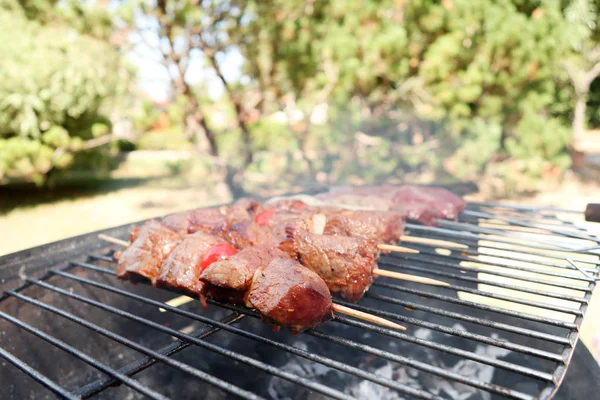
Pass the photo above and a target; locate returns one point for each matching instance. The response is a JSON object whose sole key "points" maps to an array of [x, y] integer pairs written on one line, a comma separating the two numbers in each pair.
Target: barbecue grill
{"points": [[506, 327]]}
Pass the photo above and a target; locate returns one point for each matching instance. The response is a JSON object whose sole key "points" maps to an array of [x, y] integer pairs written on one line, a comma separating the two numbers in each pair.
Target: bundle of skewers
{"points": [[285, 257]]}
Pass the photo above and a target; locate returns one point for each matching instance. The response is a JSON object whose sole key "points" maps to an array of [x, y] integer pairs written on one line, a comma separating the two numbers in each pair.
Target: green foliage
{"points": [[488, 74], [467, 87], [54, 84]]}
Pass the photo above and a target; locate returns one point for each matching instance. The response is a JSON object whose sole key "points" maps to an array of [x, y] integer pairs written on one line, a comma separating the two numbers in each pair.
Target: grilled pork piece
{"points": [[288, 294], [152, 244], [419, 203], [183, 266]]}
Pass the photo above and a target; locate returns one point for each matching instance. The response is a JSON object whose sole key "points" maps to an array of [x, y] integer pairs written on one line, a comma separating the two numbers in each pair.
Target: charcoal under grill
{"points": [[507, 326]]}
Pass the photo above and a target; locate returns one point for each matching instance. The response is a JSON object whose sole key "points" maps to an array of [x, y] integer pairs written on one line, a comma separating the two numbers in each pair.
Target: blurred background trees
{"points": [[301, 91]]}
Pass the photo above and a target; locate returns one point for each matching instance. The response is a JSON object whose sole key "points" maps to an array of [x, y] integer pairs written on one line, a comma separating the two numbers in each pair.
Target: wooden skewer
{"points": [[396, 249], [113, 240], [181, 300], [433, 242], [406, 277], [177, 301], [367, 317]]}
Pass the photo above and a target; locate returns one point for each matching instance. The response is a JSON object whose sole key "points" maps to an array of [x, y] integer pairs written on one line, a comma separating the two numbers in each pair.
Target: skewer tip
{"points": [[367, 317], [397, 249], [407, 277], [113, 240]]}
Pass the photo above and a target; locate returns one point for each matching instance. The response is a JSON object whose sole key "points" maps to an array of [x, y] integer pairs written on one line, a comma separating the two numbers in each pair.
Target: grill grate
{"points": [[511, 290]]}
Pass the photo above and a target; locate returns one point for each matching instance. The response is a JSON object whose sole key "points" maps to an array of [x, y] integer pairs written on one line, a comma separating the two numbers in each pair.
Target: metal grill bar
{"points": [[147, 361], [503, 233], [448, 349], [441, 328], [408, 304], [532, 209], [275, 371], [403, 360], [320, 359], [486, 282], [467, 235], [472, 253], [473, 320], [188, 338], [529, 225], [456, 332], [122, 340], [471, 304], [540, 243], [85, 358], [36, 375], [422, 366]]}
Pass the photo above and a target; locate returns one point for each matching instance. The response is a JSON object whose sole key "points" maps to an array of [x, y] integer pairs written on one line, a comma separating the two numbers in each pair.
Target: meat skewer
{"points": [[255, 224], [283, 291]]}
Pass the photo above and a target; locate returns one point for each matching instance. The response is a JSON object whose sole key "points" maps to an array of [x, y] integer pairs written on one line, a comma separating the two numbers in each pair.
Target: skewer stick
{"points": [[397, 249], [378, 271], [406, 277], [113, 240], [433, 242], [176, 302], [367, 317]]}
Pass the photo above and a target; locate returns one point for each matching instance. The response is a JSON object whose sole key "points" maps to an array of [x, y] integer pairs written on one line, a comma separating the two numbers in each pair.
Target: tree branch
{"points": [[211, 55], [592, 74]]}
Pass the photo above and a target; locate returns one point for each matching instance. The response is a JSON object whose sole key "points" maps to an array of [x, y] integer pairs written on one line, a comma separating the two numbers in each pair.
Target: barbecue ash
{"points": [[365, 389]]}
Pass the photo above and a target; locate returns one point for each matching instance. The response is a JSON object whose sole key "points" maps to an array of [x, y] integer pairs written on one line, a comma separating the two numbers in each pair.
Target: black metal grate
{"points": [[520, 283]]}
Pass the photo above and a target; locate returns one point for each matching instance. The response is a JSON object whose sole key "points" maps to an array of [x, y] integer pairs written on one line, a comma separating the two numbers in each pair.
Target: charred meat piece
{"points": [[420, 203], [144, 257], [290, 295], [242, 210], [207, 220], [236, 272], [375, 226], [345, 263], [183, 266], [445, 203], [265, 229]]}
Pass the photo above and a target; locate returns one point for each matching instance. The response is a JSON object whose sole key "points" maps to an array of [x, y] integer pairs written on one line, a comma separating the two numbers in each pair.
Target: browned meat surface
{"points": [[207, 220], [236, 272], [249, 233], [144, 257], [290, 295], [242, 210], [182, 268], [419, 203], [446, 204], [344, 262], [375, 226]]}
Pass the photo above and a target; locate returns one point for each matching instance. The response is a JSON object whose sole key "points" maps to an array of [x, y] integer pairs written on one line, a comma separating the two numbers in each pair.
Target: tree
{"points": [[189, 30], [479, 77], [584, 65], [55, 91]]}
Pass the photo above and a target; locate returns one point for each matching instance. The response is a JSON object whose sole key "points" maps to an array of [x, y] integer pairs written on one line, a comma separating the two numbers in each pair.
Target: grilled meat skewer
{"points": [[282, 290]]}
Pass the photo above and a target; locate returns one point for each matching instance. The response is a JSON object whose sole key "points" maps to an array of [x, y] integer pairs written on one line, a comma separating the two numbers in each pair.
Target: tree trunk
{"points": [[579, 119]]}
